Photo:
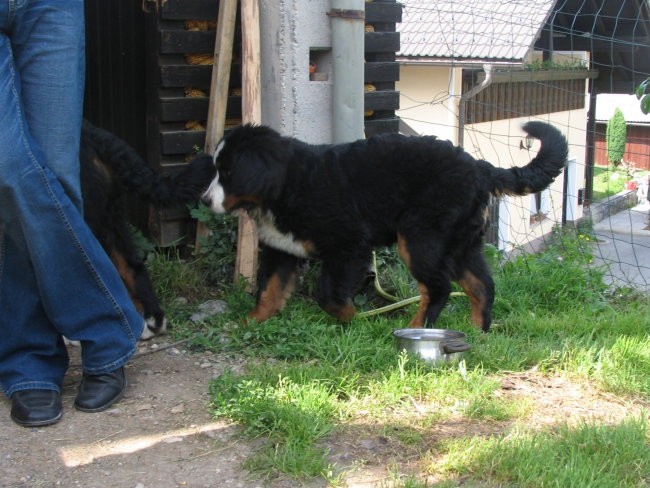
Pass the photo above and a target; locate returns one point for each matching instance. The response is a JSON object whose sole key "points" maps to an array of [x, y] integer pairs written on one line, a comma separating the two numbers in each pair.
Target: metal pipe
{"points": [[347, 22], [466, 96]]}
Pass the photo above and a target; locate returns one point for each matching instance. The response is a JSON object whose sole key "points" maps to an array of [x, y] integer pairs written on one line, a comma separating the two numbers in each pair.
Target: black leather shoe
{"points": [[36, 407], [97, 392]]}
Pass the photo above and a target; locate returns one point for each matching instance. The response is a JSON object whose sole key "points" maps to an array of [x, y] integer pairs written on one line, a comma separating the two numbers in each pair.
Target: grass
{"points": [[588, 454], [608, 181], [310, 379]]}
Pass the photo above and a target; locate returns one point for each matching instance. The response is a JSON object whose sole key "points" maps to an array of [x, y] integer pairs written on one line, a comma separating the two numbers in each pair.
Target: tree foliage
{"points": [[616, 136], [643, 94]]}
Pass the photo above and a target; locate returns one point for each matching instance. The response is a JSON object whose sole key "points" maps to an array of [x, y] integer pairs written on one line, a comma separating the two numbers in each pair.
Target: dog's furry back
{"points": [[130, 170]]}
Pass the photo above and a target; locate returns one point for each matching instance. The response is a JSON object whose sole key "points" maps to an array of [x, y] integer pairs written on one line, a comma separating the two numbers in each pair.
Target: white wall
{"points": [[429, 97], [500, 143]]}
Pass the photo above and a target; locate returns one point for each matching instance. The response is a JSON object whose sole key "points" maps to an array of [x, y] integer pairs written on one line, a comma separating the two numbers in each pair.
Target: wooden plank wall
{"points": [[637, 148], [172, 51]]}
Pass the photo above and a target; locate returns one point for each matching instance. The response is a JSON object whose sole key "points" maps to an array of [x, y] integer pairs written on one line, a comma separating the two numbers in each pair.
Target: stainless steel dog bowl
{"points": [[434, 346]]}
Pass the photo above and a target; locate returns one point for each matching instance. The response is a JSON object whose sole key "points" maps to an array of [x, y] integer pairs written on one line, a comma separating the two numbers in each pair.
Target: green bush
{"points": [[616, 135]]}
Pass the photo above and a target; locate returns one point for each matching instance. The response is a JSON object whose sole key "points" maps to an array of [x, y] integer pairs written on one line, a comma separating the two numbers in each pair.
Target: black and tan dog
{"points": [[110, 170], [338, 202]]}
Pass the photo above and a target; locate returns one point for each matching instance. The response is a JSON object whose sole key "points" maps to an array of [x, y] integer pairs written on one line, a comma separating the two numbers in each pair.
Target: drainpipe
{"points": [[466, 96], [347, 21]]}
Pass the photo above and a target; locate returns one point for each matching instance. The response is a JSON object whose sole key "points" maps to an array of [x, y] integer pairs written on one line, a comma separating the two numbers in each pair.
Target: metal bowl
{"points": [[434, 346]]}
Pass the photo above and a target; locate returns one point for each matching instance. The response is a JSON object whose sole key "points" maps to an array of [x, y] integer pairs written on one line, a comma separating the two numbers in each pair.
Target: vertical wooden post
{"points": [[216, 118], [247, 238], [224, 40], [251, 100]]}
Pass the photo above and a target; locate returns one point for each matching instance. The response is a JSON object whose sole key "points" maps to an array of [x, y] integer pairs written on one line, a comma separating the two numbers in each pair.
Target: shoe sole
{"points": [[103, 407], [38, 423]]}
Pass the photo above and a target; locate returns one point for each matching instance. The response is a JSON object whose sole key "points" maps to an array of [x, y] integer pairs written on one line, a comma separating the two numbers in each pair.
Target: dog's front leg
{"points": [[276, 277], [340, 279]]}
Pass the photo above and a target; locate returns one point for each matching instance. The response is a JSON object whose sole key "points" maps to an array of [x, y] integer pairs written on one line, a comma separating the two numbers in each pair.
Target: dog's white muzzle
{"points": [[214, 195]]}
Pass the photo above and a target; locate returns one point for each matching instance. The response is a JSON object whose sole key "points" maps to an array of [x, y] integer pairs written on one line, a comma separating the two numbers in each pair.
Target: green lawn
{"points": [[312, 385], [609, 181]]}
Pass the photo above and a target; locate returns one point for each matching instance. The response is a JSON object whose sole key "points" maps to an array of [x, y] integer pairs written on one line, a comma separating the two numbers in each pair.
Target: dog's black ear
{"points": [[260, 157]]}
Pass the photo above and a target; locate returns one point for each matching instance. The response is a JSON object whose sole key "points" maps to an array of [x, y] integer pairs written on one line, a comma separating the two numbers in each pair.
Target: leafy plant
{"points": [[539, 65], [643, 94], [216, 251]]}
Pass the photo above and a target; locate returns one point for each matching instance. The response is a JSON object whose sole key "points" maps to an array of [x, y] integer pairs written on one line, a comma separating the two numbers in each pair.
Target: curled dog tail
{"points": [[125, 164], [542, 169]]}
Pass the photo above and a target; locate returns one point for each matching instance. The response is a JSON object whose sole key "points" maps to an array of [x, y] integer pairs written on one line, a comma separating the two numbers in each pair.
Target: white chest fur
{"points": [[272, 237]]}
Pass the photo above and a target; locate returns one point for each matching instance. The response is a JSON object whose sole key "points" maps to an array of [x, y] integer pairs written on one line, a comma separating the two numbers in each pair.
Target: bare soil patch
{"points": [[161, 434]]}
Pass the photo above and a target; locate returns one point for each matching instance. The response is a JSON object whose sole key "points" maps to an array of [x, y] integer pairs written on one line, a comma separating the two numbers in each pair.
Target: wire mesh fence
{"points": [[474, 71]]}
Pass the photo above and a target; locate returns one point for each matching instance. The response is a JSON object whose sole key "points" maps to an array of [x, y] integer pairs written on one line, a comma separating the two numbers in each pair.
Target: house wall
{"points": [[500, 143], [429, 99]]}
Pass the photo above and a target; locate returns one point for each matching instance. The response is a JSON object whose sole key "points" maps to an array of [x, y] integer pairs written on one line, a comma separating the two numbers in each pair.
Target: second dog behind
{"points": [[110, 170]]}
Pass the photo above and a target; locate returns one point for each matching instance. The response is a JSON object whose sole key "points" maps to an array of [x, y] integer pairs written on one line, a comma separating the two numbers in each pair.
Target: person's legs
{"points": [[55, 279], [48, 44]]}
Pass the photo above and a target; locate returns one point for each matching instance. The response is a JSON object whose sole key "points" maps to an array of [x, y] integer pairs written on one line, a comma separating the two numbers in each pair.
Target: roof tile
{"points": [[486, 30]]}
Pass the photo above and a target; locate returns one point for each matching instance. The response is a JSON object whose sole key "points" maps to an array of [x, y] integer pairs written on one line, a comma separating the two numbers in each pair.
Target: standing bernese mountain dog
{"points": [[336, 203], [110, 169]]}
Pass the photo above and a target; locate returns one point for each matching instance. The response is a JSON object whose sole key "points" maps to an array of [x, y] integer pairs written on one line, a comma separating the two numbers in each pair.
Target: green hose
{"points": [[382, 293]]}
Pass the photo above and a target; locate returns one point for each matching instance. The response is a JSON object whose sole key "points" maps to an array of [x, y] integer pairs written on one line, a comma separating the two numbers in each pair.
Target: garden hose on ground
{"points": [[397, 302]]}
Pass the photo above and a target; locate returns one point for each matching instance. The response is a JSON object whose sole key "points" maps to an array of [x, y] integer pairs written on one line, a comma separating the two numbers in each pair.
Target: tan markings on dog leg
{"points": [[126, 273], [344, 313], [418, 320], [475, 291], [272, 299], [402, 250]]}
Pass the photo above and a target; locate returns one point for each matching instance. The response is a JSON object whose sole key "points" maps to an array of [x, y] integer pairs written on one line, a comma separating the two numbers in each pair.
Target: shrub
{"points": [[616, 135]]}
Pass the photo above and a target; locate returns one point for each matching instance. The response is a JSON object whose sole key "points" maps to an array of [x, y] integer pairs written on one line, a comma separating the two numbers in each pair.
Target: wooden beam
{"points": [[247, 238], [220, 74], [216, 118]]}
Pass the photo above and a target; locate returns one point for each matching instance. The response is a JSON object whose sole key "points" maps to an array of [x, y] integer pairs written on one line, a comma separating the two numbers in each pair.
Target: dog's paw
{"points": [[153, 328]]}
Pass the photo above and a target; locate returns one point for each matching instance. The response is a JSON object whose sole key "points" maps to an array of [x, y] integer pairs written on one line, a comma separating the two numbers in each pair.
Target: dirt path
{"points": [[160, 435]]}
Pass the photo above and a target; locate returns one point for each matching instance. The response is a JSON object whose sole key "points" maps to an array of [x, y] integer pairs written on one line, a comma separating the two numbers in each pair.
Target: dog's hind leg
{"points": [[122, 250], [423, 261], [136, 279], [433, 298], [276, 277], [340, 279], [478, 285]]}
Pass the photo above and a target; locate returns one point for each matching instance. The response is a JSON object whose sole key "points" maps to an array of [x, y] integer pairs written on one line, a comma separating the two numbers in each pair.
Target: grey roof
{"points": [[606, 103], [471, 30]]}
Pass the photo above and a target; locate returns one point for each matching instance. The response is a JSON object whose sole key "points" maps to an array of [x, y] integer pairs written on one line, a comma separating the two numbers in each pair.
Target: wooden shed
{"points": [[149, 67]]}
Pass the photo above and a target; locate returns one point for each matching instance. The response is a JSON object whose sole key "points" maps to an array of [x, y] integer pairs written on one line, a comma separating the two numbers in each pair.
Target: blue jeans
{"points": [[55, 278]]}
